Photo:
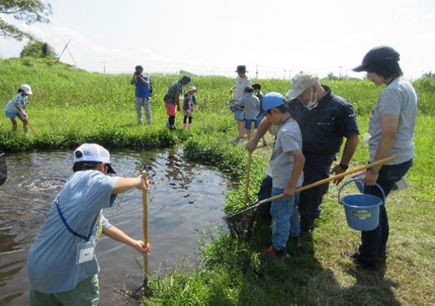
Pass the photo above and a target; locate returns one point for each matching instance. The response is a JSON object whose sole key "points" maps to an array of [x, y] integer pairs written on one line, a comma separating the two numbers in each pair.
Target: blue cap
{"points": [[270, 100]]}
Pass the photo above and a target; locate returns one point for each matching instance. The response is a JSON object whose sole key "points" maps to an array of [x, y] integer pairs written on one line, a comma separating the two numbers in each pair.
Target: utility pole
{"points": [[104, 66], [256, 72]]}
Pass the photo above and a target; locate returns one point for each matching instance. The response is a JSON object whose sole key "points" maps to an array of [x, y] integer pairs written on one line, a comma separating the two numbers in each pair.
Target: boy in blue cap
{"points": [[286, 163]]}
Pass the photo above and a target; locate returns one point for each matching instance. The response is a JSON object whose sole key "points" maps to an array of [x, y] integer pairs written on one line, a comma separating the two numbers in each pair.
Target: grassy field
{"points": [[71, 106]]}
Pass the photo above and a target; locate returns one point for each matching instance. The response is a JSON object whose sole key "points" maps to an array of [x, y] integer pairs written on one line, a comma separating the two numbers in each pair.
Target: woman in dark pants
{"points": [[391, 129]]}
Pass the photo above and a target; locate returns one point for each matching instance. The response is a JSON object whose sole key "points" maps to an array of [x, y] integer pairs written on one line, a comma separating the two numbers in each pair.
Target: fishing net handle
{"points": [[331, 178], [145, 222]]}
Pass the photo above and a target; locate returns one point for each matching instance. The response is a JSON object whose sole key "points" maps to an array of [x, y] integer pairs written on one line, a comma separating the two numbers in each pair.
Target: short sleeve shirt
{"points": [[241, 84], [398, 99], [51, 263], [173, 91], [288, 139], [22, 102], [250, 103], [142, 91]]}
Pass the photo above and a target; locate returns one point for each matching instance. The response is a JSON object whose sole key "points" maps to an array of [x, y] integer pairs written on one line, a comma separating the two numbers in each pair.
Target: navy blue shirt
{"points": [[324, 127]]}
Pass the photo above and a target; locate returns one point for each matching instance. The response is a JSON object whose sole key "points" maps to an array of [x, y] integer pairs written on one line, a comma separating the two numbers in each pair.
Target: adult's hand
{"points": [[337, 170], [370, 178]]}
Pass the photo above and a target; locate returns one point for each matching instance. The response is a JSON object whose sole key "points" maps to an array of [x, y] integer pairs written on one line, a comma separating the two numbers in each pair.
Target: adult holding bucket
{"points": [[391, 129]]}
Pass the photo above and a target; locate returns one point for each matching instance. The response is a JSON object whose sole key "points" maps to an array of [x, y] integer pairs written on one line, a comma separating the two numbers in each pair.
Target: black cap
{"points": [[381, 54], [241, 69], [186, 79], [138, 67]]}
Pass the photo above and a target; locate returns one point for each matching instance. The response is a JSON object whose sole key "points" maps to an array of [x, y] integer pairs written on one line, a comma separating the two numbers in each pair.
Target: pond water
{"points": [[184, 197]]}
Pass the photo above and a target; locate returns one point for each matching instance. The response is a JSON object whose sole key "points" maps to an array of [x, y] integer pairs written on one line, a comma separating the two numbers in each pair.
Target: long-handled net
{"points": [[243, 222]]}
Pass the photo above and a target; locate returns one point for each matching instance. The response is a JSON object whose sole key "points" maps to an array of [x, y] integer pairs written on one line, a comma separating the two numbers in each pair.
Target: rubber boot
{"points": [[306, 224]]}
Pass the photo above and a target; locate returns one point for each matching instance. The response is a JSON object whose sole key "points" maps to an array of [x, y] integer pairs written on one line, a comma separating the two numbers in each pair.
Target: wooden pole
{"points": [[145, 227], [331, 178], [31, 128], [248, 172]]}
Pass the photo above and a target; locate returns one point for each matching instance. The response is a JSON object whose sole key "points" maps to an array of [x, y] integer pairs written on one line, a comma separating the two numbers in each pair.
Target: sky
{"points": [[273, 38]]}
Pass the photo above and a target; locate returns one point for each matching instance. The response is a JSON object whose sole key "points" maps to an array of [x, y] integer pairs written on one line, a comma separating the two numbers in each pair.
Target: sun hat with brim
{"points": [[241, 69], [271, 100], [300, 83], [26, 88], [92, 152], [381, 54], [186, 79], [191, 88]]}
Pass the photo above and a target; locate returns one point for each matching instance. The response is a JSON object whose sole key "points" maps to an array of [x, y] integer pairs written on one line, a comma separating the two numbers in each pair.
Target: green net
{"points": [[243, 223]]}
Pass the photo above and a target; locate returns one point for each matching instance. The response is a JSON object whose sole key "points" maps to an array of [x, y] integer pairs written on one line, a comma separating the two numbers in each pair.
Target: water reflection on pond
{"points": [[184, 197]]}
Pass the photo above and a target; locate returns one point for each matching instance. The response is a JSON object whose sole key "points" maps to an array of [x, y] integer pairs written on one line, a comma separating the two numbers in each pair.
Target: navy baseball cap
{"points": [[381, 54]]}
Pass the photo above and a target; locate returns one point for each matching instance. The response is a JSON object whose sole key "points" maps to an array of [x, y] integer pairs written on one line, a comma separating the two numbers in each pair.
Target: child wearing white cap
{"points": [[17, 107], [61, 265], [188, 106]]}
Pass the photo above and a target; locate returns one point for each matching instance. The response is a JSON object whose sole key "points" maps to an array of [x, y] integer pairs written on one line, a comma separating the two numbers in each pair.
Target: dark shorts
{"points": [[248, 123], [238, 114]]}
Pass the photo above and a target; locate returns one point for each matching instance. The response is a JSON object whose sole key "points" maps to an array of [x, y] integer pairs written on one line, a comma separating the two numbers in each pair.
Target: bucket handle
{"points": [[359, 179]]}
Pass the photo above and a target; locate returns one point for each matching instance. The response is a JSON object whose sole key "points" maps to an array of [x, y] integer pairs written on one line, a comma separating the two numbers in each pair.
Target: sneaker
{"points": [[272, 251]]}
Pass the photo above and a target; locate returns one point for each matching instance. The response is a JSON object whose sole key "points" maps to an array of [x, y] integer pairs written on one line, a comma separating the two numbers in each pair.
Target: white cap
{"points": [[191, 88], [26, 88], [93, 152], [300, 83]]}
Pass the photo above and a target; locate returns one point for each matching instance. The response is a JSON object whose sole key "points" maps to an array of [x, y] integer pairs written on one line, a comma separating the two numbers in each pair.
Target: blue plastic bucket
{"points": [[362, 210]]}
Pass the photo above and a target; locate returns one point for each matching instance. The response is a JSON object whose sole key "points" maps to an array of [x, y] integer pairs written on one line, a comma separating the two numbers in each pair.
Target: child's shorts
{"points": [[171, 109], [12, 115], [238, 114], [248, 123]]}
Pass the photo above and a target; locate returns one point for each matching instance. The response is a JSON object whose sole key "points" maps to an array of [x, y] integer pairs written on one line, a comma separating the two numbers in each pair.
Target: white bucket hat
{"points": [[93, 152], [26, 88]]}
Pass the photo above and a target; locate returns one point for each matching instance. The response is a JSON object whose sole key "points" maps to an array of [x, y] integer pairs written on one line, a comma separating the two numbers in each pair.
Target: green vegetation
{"points": [[29, 11], [38, 49], [71, 106]]}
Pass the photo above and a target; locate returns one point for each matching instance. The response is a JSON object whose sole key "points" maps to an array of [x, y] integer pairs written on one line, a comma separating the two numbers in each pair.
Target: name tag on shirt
{"points": [[85, 252]]}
